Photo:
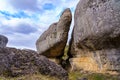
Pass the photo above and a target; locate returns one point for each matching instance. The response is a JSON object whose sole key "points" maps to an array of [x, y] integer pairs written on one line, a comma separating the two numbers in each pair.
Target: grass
{"points": [[65, 52], [102, 77], [72, 76], [30, 77], [92, 76]]}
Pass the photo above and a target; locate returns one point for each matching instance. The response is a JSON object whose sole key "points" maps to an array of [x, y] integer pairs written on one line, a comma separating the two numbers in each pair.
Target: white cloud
{"points": [[42, 13], [30, 5]]}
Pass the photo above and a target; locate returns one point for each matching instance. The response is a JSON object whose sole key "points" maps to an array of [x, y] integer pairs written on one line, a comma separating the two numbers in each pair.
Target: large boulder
{"points": [[53, 41], [16, 62], [95, 44], [3, 41]]}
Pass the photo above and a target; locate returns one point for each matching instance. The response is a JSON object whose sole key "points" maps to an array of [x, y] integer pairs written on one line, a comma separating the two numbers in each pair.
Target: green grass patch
{"points": [[93, 76], [65, 53], [102, 77], [74, 75]]}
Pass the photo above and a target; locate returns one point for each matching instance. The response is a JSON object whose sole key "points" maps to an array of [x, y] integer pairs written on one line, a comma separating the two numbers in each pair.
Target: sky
{"points": [[23, 21]]}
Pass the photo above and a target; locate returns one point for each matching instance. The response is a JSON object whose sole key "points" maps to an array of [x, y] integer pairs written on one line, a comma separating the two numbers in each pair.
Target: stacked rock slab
{"points": [[3, 41], [95, 44], [15, 62], [53, 41]]}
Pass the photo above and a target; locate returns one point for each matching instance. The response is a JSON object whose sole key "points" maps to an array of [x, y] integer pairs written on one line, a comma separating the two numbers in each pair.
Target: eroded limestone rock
{"points": [[53, 41], [95, 43]]}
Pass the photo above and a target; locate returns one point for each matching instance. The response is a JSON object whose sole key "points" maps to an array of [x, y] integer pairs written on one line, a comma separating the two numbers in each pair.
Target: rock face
{"points": [[3, 41], [15, 62], [53, 41], [96, 36]]}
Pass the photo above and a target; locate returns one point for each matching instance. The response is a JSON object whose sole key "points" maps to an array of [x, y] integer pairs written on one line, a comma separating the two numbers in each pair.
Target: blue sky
{"points": [[23, 21]]}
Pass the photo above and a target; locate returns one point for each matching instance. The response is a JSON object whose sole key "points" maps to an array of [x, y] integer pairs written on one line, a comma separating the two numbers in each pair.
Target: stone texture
{"points": [[16, 62], [96, 37], [3, 41], [53, 41]]}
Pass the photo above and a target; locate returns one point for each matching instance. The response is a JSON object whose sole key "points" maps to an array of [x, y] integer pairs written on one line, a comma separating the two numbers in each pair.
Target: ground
{"points": [[72, 76]]}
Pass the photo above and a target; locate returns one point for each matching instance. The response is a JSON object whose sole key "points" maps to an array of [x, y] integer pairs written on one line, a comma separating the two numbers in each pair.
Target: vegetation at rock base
{"points": [[92, 76], [65, 52], [72, 76], [30, 77]]}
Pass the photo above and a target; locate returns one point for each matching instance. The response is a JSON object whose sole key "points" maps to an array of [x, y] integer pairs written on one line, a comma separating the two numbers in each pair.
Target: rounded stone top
{"points": [[3, 41]]}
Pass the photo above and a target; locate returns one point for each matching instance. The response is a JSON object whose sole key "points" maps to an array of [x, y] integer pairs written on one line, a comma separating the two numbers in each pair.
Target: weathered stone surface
{"points": [[15, 62], [96, 35], [4, 61], [3, 41], [53, 41]]}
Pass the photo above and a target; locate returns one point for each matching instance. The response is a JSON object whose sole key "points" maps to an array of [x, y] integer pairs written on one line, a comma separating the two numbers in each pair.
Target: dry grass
{"points": [[30, 77], [72, 76]]}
